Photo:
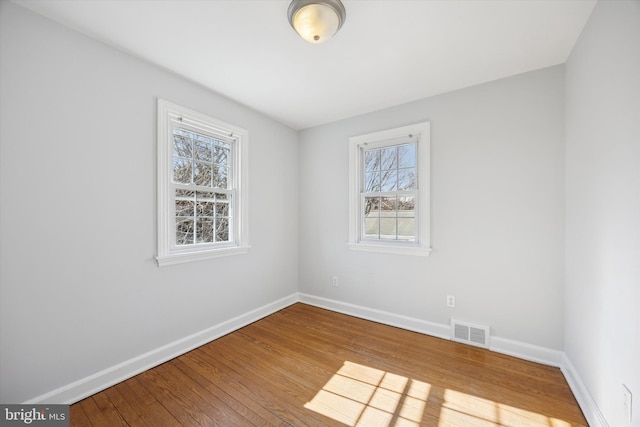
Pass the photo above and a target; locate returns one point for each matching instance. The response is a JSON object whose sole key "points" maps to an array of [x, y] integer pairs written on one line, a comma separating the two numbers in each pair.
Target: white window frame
{"points": [[168, 253], [357, 146]]}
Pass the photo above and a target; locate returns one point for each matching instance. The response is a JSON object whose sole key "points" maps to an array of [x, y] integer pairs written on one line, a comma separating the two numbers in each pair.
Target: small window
{"points": [[201, 180], [389, 191]]}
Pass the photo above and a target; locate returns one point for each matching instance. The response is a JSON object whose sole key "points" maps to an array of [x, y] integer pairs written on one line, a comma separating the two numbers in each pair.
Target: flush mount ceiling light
{"points": [[316, 20]]}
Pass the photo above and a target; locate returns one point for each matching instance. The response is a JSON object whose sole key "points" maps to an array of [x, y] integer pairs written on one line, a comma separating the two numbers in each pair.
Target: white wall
{"points": [[80, 290], [602, 300], [497, 211]]}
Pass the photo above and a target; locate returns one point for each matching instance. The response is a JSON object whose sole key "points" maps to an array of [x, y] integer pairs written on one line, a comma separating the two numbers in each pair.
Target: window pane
{"points": [[220, 178], [222, 230], [407, 229], [388, 228], [389, 180], [221, 196], [407, 156], [202, 174], [372, 182], [184, 231], [185, 193], [222, 209], [204, 208], [205, 195], [388, 206], [389, 158], [221, 155], [406, 206], [181, 170], [222, 144], [203, 151], [371, 206], [205, 230], [407, 179], [372, 160], [388, 214], [371, 228], [184, 208], [181, 144], [406, 219]]}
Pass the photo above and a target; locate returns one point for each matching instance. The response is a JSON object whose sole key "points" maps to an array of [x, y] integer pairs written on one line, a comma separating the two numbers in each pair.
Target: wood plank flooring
{"points": [[305, 366]]}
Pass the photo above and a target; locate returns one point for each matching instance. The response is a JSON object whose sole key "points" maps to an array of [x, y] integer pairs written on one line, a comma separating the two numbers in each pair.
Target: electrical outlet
{"points": [[627, 402], [334, 281], [451, 301]]}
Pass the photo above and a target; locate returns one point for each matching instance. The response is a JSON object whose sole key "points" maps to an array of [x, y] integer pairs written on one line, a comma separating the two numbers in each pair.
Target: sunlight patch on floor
{"points": [[362, 396], [461, 409], [359, 395]]}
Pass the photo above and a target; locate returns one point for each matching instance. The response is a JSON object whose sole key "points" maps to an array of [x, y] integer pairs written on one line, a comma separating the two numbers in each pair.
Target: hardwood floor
{"points": [[305, 366]]}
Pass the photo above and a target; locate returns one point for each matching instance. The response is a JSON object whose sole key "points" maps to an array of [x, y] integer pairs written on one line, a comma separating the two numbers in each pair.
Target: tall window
{"points": [[201, 180], [389, 191]]}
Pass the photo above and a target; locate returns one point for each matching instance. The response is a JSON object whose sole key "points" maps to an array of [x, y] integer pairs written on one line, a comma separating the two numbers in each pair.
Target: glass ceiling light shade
{"points": [[316, 20]]}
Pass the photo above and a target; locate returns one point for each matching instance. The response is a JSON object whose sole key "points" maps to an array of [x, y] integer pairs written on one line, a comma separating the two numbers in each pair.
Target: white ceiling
{"points": [[387, 53]]}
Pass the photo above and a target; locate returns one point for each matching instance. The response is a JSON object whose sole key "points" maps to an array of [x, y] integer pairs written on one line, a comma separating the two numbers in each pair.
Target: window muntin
{"points": [[202, 217], [201, 194], [389, 191], [200, 159], [201, 164]]}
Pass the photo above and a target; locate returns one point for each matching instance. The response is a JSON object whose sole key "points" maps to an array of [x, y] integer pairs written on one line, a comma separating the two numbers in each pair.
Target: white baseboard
{"points": [[521, 350], [530, 352], [99, 381], [500, 345], [589, 407], [385, 317]]}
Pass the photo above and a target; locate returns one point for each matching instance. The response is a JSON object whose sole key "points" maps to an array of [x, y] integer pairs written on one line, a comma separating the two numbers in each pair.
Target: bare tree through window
{"points": [[390, 182], [200, 165]]}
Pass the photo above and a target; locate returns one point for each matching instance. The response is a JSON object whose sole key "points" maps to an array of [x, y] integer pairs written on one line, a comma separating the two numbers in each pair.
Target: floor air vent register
{"points": [[470, 333]]}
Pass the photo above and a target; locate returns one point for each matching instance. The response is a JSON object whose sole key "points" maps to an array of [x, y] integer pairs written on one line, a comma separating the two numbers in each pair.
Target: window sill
{"points": [[181, 258], [390, 249]]}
